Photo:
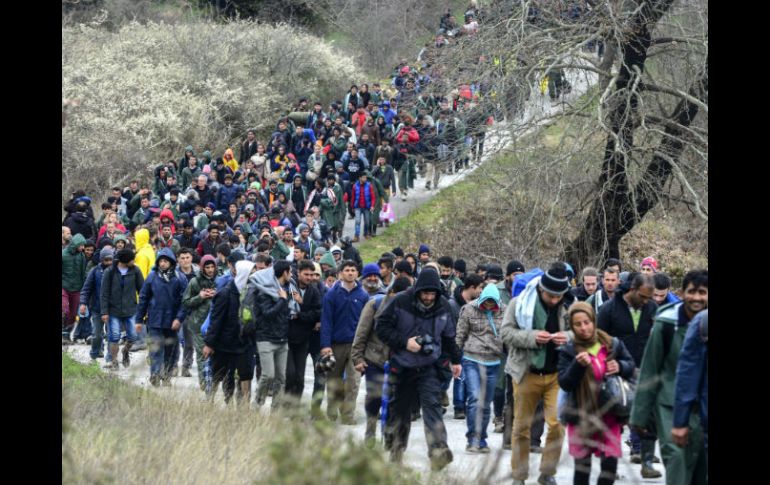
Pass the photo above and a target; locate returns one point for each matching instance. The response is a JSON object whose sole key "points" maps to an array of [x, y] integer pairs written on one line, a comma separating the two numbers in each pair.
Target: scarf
{"points": [[539, 319], [165, 275], [587, 392]]}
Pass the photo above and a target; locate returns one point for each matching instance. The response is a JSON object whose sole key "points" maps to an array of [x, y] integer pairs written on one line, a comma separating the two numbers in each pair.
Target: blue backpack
{"points": [[520, 281]]}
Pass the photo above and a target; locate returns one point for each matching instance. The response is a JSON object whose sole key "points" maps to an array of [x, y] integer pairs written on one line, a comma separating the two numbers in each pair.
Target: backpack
{"points": [[246, 310], [520, 281]]}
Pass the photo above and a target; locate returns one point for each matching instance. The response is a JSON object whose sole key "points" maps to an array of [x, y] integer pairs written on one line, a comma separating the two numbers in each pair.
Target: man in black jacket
{"points": [[306, 294], [405, 325], [120, 284], [223, 342], [272, 310], [629, 316]]}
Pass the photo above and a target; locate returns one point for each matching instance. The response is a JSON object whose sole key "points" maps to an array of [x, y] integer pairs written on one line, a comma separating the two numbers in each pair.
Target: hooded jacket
{"points": [[271, 312], [367, 346], [161, 300], [81, 223], [89, 295], [197, 307], [73, 265], [405, 317], [184, 162], [117, 294], [328, 259], [232, 164], [224, 330], [145, 256], [478, 330], [225, 195], [340, 314]]}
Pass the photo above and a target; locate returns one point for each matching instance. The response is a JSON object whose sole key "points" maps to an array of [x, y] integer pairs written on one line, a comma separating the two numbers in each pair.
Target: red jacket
{"points": [[412, 134]]}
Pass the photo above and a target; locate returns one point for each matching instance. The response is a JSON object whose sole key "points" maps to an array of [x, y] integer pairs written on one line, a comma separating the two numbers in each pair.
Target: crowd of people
{"points": [[239, 266]]}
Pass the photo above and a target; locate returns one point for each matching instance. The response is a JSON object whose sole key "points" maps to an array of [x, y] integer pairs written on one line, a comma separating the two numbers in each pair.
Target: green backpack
{"points": [[246, 310]]}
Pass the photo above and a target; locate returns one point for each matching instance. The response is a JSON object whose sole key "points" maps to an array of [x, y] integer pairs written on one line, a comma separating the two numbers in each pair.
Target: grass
{"points": [[114, 432]]}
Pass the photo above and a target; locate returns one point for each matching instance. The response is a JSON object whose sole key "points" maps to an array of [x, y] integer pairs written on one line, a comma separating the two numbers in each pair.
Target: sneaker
{"points": [[186, 372], [138, 346], [403, 197], [655, 459], [649, 472], [507, 445], [175, 372], [499, 424], [546, 480], [483, 446], [155, 380], [635, 458], [112, 366], [89, 339], [459, 414], [535, 449], [472, 448]]}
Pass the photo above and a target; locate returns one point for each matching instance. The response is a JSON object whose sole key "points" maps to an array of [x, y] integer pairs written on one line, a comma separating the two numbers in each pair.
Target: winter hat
{"points": [[211, 205], [555, 281], [336, 249], [423, 249], [650, 261], [234, 257], [460, 265], [154, 204], [428, 280], [494, 272], [106, 253], [320, 251], [397, 251], [255, 186], [249, 207], [206, 169], [207, 259], [302, 227], [338, 165], [125, 256], [371, 269], [514, 267]]}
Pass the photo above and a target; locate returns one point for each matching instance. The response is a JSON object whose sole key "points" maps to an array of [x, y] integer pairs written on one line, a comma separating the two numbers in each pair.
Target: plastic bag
{"points": [[387, 214]]}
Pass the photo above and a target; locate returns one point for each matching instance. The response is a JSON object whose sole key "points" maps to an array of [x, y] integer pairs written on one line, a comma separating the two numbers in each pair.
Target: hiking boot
{"points": [[126, 357], [136, 347], [444, 399], [459, 414], [649, 472], [155, 380], [186, 372], [546, 480], [174, 372], [635, 458], [440, 458], [498, 423]]}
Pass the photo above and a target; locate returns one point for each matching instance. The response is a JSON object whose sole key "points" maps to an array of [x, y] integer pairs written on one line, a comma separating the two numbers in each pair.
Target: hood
{"points": [[428, 280], [142, 239], [328, 259], [207, 155], [242, 272], [205, 259], [167, 213], [76, 241], [230, 152], [158, 169], [490, 292], [266, 281], [120, 237], [189, 148], [168, 253]]}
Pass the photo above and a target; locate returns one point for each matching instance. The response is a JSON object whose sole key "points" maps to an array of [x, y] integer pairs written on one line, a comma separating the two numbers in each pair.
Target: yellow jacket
{"points": [[232, 163], [145, 256]]}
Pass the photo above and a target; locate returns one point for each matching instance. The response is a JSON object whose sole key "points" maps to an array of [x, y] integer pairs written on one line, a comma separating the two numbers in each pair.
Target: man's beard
{"points": [[371, 285]]}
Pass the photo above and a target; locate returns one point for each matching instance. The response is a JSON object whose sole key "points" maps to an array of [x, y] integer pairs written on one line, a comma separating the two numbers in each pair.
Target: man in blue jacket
{"points": [[90, 296], [692, 382], [161, 300], [342, 306]]}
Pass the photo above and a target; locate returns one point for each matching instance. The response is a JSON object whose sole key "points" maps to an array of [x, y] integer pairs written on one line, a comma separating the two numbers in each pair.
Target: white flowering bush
{"points": [[144, 92]]}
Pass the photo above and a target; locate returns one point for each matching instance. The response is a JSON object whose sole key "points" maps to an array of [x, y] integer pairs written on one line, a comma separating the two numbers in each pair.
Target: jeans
{"points": [[114, 329], [273, 359], [375, 378], [162, 343], [458, 395], [480, 381], [97, 344], [367, 215]]}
